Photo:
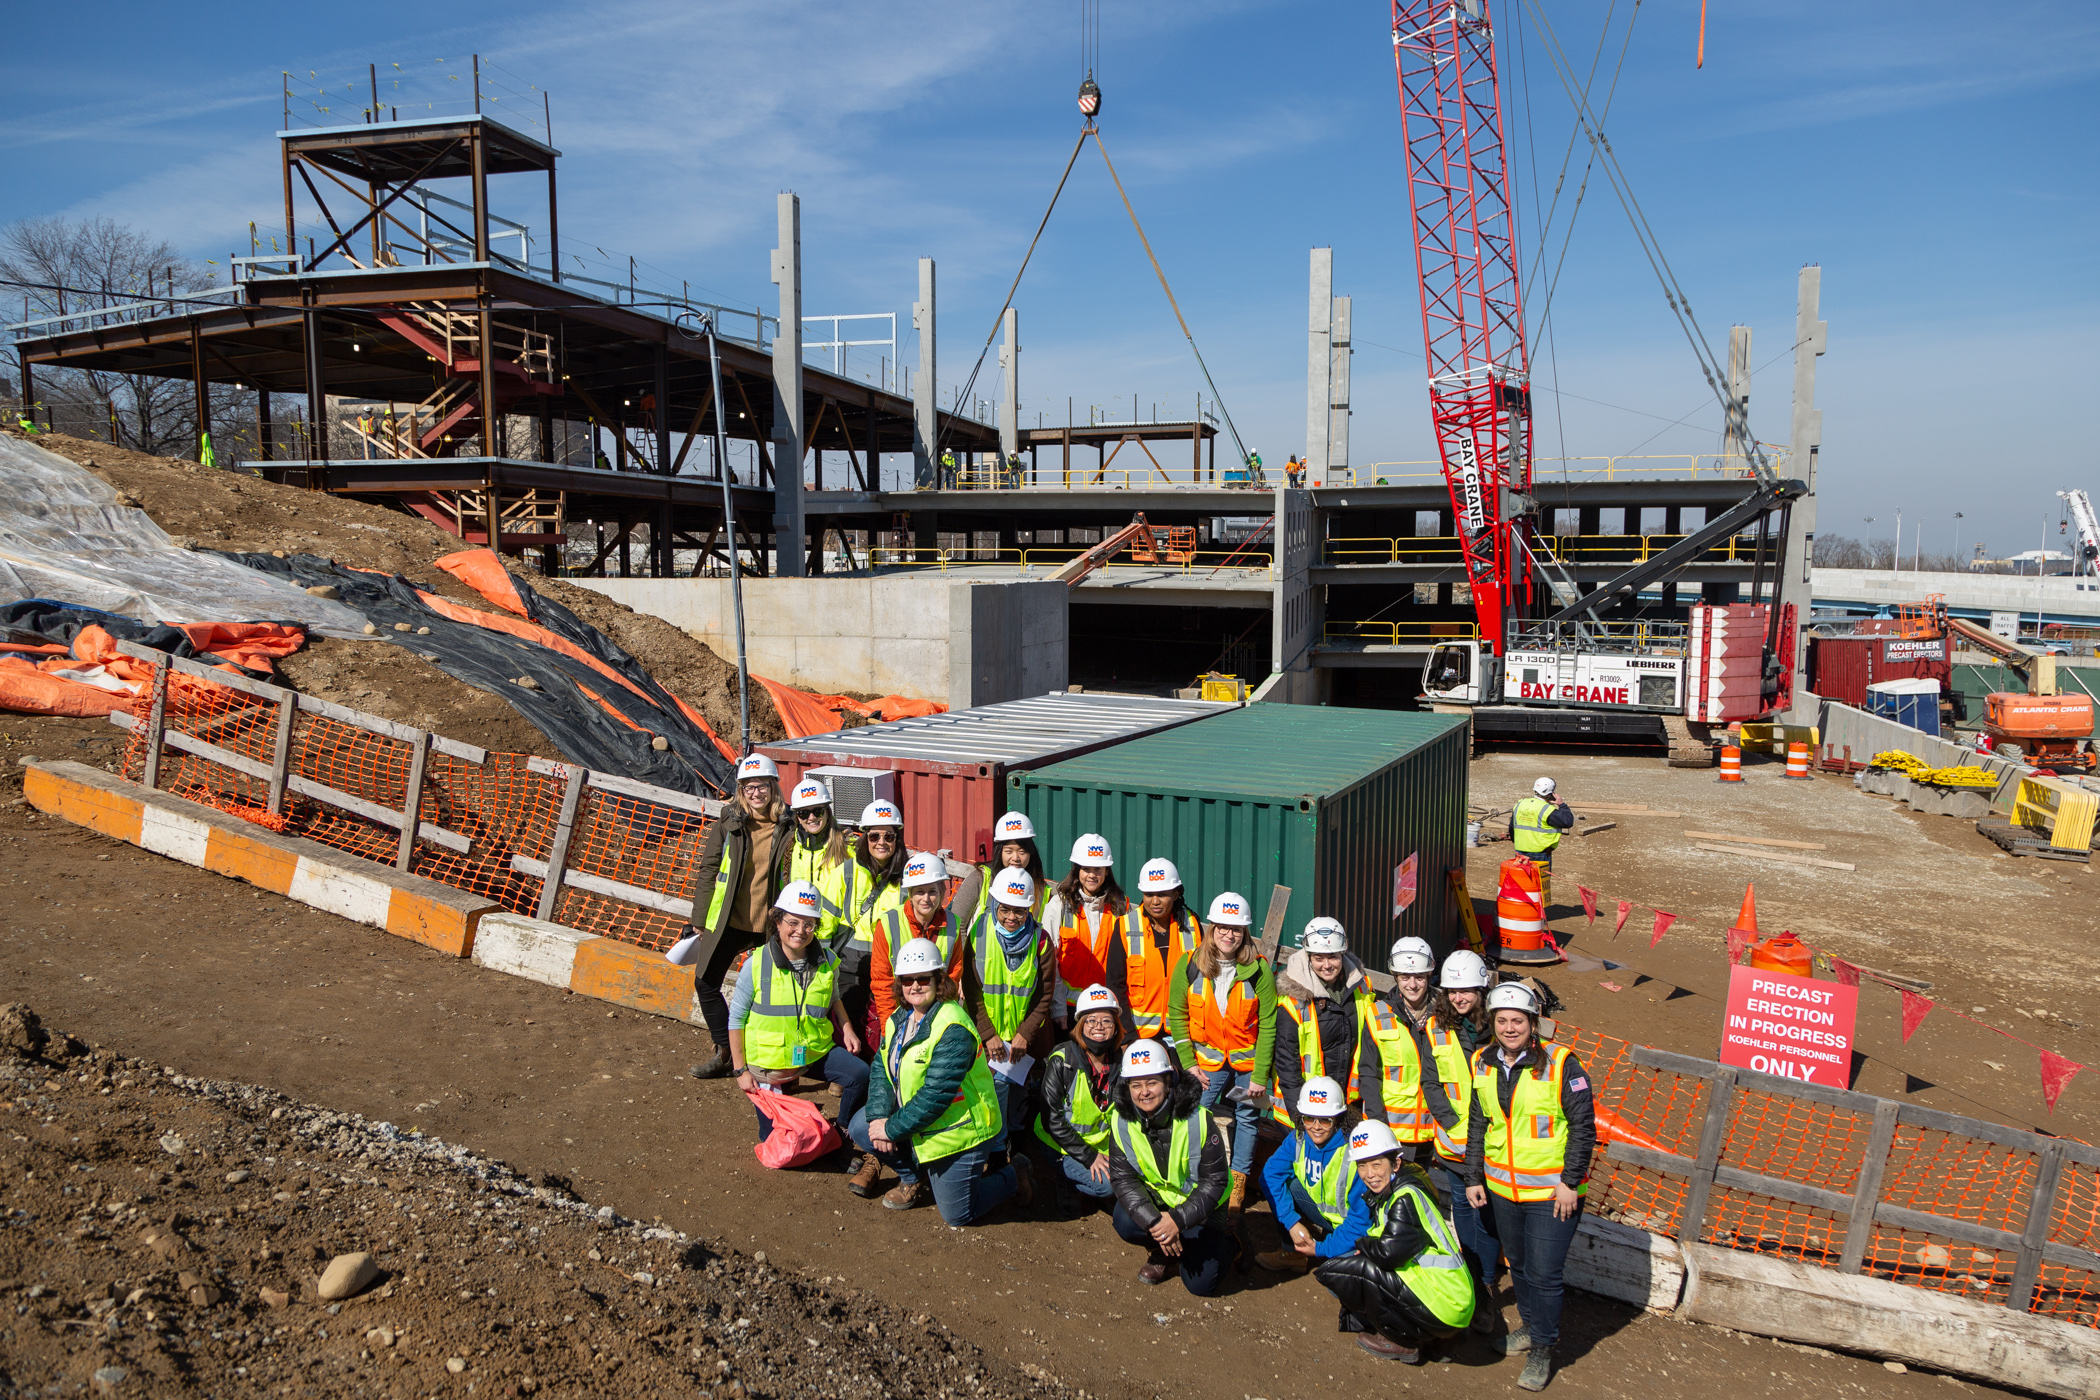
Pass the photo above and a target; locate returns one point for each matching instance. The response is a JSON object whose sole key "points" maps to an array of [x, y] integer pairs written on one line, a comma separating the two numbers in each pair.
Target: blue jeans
{"points": [[1205, 1250], [1475, 1230], [1537, 1247], [963, 1191], [1013, 1100], [849, 1072], [1083, 1180], [1316, 1224], [1246, 1118]]}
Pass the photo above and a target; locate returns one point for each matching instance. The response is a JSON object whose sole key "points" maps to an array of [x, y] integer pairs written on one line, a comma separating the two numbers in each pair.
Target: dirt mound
{"points": [[172, 1233], [212, 509]]}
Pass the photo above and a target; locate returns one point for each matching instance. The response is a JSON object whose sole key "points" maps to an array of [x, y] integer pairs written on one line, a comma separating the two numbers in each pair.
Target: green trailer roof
{"points": [[1260, 752]]}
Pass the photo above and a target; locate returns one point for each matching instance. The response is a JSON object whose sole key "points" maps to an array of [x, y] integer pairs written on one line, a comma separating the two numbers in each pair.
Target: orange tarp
{"points": [[94, 678]]}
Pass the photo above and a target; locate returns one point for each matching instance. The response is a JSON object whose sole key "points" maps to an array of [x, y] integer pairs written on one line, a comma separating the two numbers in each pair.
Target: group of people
{"points": [[982, 1026]]}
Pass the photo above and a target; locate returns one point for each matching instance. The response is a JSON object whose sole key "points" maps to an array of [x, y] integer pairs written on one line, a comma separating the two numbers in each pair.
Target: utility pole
{"points": [[1010, 388], [787, 395], [925, 435], [1805, 443]]}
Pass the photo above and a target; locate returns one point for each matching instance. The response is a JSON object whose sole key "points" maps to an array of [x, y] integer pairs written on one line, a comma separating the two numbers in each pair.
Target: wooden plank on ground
{"points": [[1785, 857], [1757, 841], [1601, 826]]}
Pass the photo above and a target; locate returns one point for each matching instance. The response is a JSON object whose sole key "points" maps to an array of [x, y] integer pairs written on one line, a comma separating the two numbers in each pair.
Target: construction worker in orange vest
{"points": [[1160, 933], [1087, 917], [1391, 1051]]}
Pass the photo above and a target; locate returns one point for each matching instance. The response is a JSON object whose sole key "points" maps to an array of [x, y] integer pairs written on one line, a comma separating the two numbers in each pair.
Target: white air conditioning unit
{"points": [[852, 789]]}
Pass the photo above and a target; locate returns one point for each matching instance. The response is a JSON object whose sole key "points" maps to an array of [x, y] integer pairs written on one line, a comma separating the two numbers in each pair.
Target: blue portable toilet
{"points": [[1913, 702]]}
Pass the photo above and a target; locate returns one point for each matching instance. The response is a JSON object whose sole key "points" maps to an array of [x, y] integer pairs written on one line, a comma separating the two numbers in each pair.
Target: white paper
{"points": [[1015, 1067], [685, 952]]}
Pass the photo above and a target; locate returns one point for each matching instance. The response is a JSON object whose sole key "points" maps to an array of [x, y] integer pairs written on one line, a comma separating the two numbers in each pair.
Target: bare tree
{"points": [[65, 266], [1843, 552]]}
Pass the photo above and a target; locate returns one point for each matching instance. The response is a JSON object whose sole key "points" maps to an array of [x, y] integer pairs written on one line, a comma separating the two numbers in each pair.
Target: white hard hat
{"points": [[1230, 908], [1096, 998], [800, 897], [810, 792], [1514, 996], [1158, 876], [924, 868], [1144, 1058], [1092, 850], [1014, 888], [917, 958], [1543, 787], [1411, 954], [881, 813], [1014, 826], [1371, 1139], [1324, 935], [756, 765], [1464, 969], [1322, 1098]]}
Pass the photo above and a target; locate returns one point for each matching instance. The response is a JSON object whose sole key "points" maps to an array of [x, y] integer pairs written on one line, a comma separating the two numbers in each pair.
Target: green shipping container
{"points": [[1349, 808]]}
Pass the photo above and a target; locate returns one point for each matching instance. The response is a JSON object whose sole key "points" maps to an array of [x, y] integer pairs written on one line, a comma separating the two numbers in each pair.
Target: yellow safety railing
{"points": [[960, 556], [1395, 634], [1672, 466], [2065, 812], [1619, 549], [1046, 558]]}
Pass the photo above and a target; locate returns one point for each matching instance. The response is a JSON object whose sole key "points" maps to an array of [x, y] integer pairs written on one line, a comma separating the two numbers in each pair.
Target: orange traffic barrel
{"points": [[1785, 953], [1520, 910], [1797, 761], [1731, 764]]}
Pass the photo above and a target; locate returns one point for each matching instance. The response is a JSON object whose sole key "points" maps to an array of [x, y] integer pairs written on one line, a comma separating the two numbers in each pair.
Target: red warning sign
{"points": [[1792, 1026]]}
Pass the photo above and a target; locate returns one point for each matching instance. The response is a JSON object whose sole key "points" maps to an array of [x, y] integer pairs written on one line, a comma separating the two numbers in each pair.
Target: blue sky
{"points": [[1938, 164]]}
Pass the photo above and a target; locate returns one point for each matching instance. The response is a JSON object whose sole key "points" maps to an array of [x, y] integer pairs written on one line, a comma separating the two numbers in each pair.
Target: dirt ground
{"points": [[2002, 939], [211, 509], [180, 968]]}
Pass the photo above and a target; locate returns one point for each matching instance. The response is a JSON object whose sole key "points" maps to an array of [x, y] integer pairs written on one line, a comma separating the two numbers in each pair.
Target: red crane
{"points": [[1472, 308]]}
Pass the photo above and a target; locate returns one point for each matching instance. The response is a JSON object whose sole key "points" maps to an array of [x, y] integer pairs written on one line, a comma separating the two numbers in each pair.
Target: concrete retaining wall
{"points": [[920, 635]]}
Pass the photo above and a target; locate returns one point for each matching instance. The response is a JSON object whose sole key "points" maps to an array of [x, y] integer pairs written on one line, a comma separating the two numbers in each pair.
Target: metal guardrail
{"points": [[123, 313], [1614, 549], [1688, 466], [1393, 634], [1048, 558]]}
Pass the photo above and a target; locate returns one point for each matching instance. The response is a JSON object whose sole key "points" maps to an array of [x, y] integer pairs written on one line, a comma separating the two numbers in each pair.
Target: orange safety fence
{"points": [[1688, 1148]]}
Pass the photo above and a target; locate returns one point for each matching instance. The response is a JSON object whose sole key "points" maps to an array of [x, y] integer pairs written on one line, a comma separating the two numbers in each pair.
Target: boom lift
{"points": [[1567, 673], [1145, 547], [2049, 729]]}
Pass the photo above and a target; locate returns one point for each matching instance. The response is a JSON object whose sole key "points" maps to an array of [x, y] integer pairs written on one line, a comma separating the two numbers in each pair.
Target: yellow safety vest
{"points": [[1438, 1275], [973, 1116], [870, 903], [1533, 835], [1331, 1192], [835, 882], [1175, 1182], [1456, 1076], [1007, 989], [790, 1024], [1401, 1064], [1312, 1056], [1528, 1146], [1089, 1119]]}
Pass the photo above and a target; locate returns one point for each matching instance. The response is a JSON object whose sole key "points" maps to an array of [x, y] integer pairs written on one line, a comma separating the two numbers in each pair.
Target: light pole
{"points": [[1957, 539], [1868, 520]]}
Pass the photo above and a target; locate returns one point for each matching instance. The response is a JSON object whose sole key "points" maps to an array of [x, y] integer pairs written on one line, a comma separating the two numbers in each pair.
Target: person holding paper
{"points": [[786, 1018], [1007, 978], [1222, 1007], [1077, 1087], [735, 881]]}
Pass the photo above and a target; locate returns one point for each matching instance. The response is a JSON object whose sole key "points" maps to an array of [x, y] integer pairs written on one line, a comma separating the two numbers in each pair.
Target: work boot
{"points": [[1519, 1340], [1024, 1181], [863, 1182], [1284, 1261], [907, 1195], [1158, 1270], [1486, 1311], [1538, 1370], [715, 1068], [1237, 1201], [1390, 1351]]}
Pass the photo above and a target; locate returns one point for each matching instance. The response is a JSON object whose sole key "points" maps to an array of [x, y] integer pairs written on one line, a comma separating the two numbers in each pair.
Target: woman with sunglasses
{"points": [[932, 1112], [785, 1017], [818, 854], [878, 890], [734, 886]]}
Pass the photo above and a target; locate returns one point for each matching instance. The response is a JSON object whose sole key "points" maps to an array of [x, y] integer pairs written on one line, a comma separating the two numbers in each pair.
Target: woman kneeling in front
{"points": [[786, 1018], [932, 1111], [1166, 1164], [1405, 1283]]}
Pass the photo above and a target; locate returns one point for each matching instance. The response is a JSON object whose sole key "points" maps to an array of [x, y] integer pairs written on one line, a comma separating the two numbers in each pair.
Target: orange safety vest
{"points": [[1145, 969], [1223, 1038], [1082, 955]]}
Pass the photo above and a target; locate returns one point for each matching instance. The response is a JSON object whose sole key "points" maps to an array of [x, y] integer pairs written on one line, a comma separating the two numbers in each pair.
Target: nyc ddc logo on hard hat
{"points": [[1230, 906], [1316, 1096], [806, 899], [1362, 1136], [1097, 849]]}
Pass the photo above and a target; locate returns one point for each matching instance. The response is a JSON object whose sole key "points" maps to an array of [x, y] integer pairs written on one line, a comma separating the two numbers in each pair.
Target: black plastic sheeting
{"points": [[45, 621], [493, 661]]}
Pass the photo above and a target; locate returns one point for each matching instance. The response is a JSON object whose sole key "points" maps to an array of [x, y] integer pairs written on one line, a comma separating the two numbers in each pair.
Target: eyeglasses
{"points": [[882, 836], [922, 980]]}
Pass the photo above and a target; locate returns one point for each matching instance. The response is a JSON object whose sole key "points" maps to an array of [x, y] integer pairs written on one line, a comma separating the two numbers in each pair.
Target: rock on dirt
{"points": [[470, 1269]]}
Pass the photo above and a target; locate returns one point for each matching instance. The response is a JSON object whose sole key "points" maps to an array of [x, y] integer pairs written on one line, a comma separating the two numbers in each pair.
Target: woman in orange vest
{"points": [[1160, 934], [1530, 1135], [1087, 918], [1222, 1006]]}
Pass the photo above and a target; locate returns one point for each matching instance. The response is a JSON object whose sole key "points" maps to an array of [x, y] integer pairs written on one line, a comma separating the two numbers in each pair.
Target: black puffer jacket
{"points": [[1367, 1282], [1054, 1080], [1184, 1099]]}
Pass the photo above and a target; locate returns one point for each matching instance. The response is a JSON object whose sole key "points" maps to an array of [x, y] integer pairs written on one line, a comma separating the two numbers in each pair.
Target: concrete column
{"points": [[1010, 387], [1811, 339], [1319, 365], [925, 426], [787, 391], [1732, 443], [1338, 353]]}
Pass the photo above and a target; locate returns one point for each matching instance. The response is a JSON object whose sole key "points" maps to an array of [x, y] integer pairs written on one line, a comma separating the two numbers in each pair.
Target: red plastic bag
{"points": [[801, 1133]]}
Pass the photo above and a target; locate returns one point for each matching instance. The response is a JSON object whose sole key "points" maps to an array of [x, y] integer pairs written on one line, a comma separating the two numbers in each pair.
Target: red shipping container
{"points": [[951, 768], [1841, 668]]}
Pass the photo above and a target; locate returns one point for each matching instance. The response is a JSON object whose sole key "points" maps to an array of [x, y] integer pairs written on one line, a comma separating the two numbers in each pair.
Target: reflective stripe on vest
{"points": [[1438, 1275], [1400, 1062], [1184, 1154], [1082, 957], [947, 938], [1532, 833], [1224, 1039], [1145, 970], [1331, 1192], [972, 1116], [1456, 1076], [786, 1016], [1088, 1118], [871, 903], [1312, 1055], [834, 881], [1007, 989], [1524, 1162], [725, 877]]}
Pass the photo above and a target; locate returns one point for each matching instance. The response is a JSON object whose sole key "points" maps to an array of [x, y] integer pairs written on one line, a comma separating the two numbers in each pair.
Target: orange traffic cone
{"points": [[1746, 920], [1612, 1128]]}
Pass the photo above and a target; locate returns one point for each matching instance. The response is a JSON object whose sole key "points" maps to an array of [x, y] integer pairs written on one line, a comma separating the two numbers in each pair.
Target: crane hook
{"points": [[1089, 97]]}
